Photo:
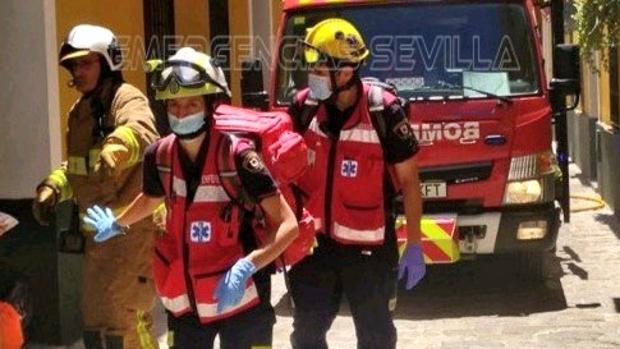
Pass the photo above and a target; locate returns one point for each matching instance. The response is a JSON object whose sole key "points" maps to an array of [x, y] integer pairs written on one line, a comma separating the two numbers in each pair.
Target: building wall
{"points": [[591, 90], [596, 140], [29, 147], [30, 117], [603, 98], [238, 12], [262, 32], [192, 23], [276, 15]]}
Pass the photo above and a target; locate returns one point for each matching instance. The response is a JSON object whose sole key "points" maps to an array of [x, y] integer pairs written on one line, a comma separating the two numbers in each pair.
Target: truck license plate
{"points": [[433, 190]]}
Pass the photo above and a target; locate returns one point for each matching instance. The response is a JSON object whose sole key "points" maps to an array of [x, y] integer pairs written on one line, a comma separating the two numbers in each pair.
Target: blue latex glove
{"points": [[412, 264], [231, 287], [104, 222]]}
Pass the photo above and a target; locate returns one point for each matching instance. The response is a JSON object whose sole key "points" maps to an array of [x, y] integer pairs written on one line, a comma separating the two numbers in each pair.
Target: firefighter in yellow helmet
{"points": [[357, 133], [109, 127]]}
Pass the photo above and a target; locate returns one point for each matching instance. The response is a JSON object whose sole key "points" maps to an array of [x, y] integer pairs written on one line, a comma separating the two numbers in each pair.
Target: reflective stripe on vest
{"points": [[204, 193], [211, 193], [179, 187], [369, 236], [314, 128], [356, 134], [360, 135], [77, 164], [177, 304], [206, 310]]}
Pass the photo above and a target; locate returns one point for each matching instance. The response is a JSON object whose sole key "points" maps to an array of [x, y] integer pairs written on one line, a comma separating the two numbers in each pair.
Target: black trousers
{"points": [[247, 330], [366, 277]]}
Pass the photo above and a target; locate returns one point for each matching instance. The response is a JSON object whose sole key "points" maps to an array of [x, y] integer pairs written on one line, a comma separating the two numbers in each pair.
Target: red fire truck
{"points": [[471, 77]]}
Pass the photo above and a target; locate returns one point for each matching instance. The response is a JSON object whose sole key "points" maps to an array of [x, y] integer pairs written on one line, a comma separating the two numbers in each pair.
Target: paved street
{"points": [[482, 304]]}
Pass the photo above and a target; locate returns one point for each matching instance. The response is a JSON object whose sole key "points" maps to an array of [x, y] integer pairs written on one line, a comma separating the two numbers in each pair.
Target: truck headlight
{"points": [[523, 192], [528, 180], [532, 230]]}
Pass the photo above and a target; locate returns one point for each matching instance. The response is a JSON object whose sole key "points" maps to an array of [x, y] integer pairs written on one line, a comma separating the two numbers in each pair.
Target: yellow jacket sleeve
{"points": [[133, 121], [57, 180]]}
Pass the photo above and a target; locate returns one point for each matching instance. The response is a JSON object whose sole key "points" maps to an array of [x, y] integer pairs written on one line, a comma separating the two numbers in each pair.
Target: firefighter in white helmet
{"points": [[109, 127]]}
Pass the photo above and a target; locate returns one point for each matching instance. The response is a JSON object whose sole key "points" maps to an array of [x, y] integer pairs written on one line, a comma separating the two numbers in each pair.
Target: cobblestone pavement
{"points": [[484, 305]]}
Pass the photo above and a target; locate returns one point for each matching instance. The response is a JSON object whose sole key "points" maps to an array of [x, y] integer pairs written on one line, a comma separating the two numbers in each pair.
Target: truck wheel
{"points": [[531, 266]]}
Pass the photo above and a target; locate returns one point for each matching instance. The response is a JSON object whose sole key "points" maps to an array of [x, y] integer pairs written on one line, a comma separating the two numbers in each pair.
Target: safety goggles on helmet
{"points": [[177, 74]]}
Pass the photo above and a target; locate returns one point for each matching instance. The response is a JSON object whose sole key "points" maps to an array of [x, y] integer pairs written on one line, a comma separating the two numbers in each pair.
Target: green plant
{"points": [[598, 28]]}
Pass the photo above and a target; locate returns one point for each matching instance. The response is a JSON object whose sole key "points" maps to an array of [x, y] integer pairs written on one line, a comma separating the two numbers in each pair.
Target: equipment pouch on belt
{"points": [[69, 238]]}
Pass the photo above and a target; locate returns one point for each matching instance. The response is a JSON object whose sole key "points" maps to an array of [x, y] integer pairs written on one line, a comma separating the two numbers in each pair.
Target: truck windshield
{"points": [[428, 50]]}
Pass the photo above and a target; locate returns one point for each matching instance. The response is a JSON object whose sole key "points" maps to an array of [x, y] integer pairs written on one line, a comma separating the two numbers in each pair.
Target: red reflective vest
{"points": [[344, 183], [201, 241]]}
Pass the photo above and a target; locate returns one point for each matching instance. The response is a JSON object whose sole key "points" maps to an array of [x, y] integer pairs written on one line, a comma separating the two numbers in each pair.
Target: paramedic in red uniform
{"points": [[349, 190], [205, 272]]}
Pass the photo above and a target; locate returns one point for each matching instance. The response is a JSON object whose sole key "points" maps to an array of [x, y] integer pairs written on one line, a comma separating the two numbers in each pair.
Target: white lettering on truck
{"points": [[462, 132]]}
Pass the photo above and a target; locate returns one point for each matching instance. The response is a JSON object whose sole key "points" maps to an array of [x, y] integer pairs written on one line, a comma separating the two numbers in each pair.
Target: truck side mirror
{"points": [[253, 94], [567, 78]]}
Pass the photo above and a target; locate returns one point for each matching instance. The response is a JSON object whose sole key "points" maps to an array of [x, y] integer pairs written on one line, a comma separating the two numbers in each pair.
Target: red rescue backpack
{"points": [[285, 155]]}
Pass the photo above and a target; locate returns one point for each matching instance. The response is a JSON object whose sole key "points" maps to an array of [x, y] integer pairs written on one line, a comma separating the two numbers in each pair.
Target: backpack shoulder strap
{"points": [[308, 108], [241, 205], [163, 160], [228, 147], [376, 106]]}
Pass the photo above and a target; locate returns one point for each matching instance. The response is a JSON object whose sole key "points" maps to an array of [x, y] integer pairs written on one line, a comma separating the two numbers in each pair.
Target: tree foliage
{"points": [[598, 28]]}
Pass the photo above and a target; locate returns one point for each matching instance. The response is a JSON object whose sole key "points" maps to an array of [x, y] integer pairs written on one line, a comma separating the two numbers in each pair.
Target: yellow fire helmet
{"points": [[187, 73], [335, 39]]}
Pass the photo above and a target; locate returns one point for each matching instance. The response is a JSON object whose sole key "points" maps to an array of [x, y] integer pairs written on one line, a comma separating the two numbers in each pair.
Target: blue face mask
{"points": [[188, 125], [320, 86]]}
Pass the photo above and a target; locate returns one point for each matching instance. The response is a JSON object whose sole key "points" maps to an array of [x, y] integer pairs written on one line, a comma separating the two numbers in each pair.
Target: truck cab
{"points": [[471, 78]]}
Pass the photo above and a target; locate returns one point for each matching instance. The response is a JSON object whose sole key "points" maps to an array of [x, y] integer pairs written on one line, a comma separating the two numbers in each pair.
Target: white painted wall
{"points": [[28, 97]]}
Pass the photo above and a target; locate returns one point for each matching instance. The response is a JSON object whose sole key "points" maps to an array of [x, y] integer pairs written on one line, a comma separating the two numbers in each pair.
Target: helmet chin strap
{"points": [[337, 90]]}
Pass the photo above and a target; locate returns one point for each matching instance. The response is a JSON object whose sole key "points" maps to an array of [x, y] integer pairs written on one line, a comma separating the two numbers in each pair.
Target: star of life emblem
{"points": [[200, 232], [349, 168]]}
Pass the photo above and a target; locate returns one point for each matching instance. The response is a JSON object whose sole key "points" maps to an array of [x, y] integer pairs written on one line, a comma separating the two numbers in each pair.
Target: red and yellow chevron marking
{"points": [[439, 238], [291, 4]]}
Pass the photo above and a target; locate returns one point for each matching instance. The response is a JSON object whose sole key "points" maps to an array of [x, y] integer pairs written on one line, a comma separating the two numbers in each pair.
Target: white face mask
{"points": [[187, 125], [321, 86]]}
